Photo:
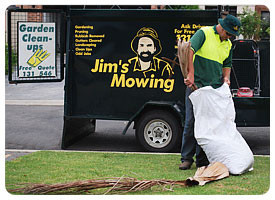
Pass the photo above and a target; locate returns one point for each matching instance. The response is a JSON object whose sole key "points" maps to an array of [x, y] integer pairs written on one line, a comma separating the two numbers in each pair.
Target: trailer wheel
{"points": [[158, 131]]}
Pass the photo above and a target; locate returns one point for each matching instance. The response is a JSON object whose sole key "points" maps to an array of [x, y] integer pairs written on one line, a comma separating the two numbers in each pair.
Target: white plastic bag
{"points": [[215, 129]]}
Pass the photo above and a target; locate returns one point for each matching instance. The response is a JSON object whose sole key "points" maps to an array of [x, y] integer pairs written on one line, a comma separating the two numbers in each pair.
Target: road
{"points": [[40, 127]]}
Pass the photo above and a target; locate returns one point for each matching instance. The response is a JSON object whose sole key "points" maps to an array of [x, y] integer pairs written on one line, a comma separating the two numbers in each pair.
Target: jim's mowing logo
{"points": [[147, 69], [36, 52]]}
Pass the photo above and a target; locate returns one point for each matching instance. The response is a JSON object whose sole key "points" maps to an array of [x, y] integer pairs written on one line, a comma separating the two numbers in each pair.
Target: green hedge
{"points": [[13, 58]]}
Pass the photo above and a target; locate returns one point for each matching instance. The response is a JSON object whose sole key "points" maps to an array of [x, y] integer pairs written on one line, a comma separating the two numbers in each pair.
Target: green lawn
{"points": [[61, 167]]}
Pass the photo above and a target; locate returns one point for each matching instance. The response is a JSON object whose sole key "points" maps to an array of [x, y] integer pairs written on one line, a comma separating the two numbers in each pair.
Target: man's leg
{"points": [[201, 158], [188, 147]]}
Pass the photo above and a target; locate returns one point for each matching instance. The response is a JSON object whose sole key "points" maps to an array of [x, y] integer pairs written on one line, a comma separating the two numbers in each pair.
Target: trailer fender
{"points": [[177, 108]]}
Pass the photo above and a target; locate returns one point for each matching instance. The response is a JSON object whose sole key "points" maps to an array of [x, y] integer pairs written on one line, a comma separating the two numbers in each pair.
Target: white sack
{"points": [[215, 129]]}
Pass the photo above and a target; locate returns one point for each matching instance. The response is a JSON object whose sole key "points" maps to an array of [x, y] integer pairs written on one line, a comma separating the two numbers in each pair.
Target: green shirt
{"points": [[210, 57]]}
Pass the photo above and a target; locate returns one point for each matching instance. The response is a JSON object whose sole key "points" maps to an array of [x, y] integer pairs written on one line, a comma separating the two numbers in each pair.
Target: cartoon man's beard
{"points": [[146, 58]]}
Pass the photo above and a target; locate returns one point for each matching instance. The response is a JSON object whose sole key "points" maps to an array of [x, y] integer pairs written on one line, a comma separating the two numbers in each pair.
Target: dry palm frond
{"points": [[212, 172], [122, 184], [183, 57]]}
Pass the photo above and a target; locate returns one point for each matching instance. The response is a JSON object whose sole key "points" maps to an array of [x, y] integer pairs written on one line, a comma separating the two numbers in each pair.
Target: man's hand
{"points": [[189, 80], [226, 80]]}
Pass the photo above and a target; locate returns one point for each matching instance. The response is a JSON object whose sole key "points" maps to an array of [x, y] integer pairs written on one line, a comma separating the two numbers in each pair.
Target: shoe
{"points": [[185, 165]]}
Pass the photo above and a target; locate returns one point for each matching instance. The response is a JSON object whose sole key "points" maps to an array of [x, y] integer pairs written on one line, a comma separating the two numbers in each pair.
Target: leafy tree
{"points": [[252, 25], [265, 29]]}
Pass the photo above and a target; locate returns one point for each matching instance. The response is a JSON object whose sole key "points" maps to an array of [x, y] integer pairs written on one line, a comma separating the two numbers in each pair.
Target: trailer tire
{"points": [[158, 131]]}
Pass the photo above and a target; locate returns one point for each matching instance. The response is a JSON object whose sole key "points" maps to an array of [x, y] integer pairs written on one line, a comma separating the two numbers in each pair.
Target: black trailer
{"points": [[103, 78]]}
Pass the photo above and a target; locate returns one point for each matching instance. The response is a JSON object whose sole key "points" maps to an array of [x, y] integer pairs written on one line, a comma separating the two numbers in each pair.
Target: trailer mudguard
{"points": [[176, 108]]}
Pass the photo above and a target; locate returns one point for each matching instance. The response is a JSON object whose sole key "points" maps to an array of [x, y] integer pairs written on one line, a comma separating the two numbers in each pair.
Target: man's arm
{"points": [[227, 68], [197, 41], [189, 81], [226, 74]]}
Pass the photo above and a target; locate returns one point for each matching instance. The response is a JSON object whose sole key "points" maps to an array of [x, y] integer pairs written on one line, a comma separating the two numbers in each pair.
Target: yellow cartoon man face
{"points": [[146, 49]]}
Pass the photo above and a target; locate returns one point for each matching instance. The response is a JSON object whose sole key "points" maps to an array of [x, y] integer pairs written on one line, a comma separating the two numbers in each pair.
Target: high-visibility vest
{"points": [[213, 49], [209, 59]]}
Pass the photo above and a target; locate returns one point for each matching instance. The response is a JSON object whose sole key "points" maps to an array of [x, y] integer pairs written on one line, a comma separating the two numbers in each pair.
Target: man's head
{"points": [[229, 27], [146, 44]]}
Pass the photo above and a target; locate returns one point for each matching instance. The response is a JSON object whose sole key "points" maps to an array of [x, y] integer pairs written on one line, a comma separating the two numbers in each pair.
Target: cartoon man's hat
{"points": [[146, 32]]}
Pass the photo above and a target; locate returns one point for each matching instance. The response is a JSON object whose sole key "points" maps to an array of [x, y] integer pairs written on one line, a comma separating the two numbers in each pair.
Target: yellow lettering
{"points": [[188, 31], [125, 68], [96, 66], [121, 81], [130, 82], [177, 31], [101, 65], [118, 81], [161, 81], [79, 53], [169, 85], [110, 67], [185, 26], [197, 26], [152, 81], [141, 82]]}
